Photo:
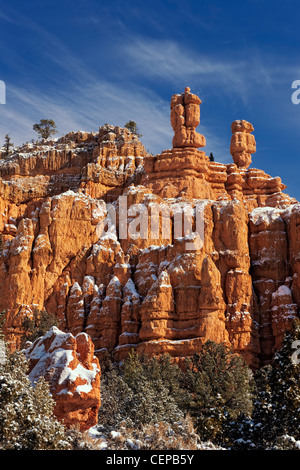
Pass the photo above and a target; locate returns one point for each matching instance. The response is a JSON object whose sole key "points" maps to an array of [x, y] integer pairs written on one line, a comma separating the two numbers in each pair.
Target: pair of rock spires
{"points": [[185, 117]]}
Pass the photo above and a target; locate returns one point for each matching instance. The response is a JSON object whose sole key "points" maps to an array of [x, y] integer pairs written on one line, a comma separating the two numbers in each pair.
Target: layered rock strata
{"points": [[110, 256], [188, 173]]}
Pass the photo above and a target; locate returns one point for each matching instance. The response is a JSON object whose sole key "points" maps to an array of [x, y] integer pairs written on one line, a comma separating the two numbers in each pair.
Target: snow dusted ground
{"points": [[122, 440]]}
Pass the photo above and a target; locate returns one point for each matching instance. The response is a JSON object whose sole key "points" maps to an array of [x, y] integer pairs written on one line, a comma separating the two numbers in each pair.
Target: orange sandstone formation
{"points": [[73, 372], [242, 143], [185, 117], [141, 284]]}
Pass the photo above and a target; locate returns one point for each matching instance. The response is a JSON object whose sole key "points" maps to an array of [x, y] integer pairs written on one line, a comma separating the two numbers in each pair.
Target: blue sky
{"points": [[84, 63]]}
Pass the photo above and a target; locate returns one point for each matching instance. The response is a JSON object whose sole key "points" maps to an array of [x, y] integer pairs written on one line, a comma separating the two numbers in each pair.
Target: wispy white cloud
{"points": [[9, 18], [80, 98], [86, 108], [169, 61], [237, 75], [77, 98]]}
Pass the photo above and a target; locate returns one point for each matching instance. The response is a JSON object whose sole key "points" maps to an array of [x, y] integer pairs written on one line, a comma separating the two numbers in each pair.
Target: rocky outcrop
{"points": [[73, 372], [273, 273], [158, 253], [100, 162], [185, 117], [242, 143], [188, 173]]}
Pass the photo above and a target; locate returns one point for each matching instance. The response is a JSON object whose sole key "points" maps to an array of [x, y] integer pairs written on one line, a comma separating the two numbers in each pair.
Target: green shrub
{"points": [[219, 386], [274, 422], [38, 325], [138, 394], [214, 385], [26, 412]]}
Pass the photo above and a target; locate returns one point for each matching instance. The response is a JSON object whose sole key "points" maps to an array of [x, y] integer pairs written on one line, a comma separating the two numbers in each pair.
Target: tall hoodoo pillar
{"points": [[242, 143], [185, 117]]}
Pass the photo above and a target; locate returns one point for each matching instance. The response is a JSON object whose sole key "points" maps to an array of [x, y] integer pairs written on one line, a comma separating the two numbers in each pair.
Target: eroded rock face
{"points": [[141, 284], [271, 245], [73, 372], [242, 143], [185, 117]]}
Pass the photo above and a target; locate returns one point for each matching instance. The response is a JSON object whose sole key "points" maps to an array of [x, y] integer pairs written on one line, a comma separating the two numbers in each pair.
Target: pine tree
{"points": [[116, 398], [26, 412], [220, 387], [132, 126], [46, 128], [274, 423], [37, 326], [254, 430], [152, 403], [154, 391], [133, 369], [285, 386], [142, 391], [7, 145]]}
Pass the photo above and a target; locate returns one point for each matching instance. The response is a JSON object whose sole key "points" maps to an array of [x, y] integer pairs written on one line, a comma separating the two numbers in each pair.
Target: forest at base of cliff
{"points": [[213, 402]]}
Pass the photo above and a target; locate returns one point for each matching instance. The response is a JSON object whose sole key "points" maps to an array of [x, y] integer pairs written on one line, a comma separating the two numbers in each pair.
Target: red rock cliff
{"points": [[143, 283]]}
